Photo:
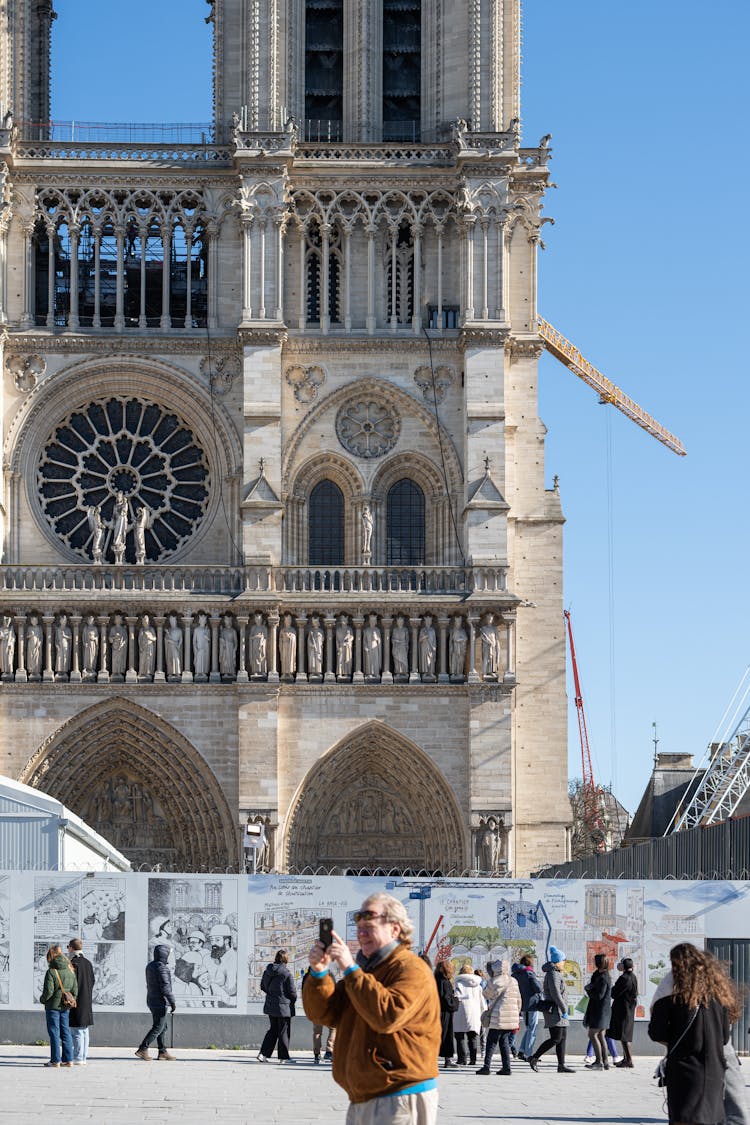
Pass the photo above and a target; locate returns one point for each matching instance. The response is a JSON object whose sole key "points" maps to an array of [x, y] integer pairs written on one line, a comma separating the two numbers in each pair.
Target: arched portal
{"points": [[377, 801], [141, 785]]}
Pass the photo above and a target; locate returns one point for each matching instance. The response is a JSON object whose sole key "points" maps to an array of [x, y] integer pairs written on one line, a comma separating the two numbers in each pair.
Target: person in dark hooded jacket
{"points": [[159, 997], [278, 984]]}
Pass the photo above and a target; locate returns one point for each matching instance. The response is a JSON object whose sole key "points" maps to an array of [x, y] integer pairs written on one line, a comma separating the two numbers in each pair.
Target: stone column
{"points": [[75, 668], [142, 318], [262, 267], [131, 676], [159, 676], [473, 677], [330, 672], [103, 674], [242, 676], [188, 278], [27, 320], [247, 277], [48, 675], [347, 278], [273, 648], [280, 224], [301, 676], [21, 674], [416, 319], [370, 323], [358, 622], [212, 230], [325, 318], [510, 630], [187, 675], [215, 676], [443, 677], [97, 318], [387, 676], [166, 239], [120, 284], [73, 321], [414, 676], [51, 274]]}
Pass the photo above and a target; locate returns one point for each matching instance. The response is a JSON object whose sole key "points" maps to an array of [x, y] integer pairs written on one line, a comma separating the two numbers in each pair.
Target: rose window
{"points": [[367, 428], [127, 447]]}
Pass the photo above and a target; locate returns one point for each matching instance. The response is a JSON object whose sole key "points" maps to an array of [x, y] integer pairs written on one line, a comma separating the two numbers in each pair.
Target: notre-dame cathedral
{"points": [[276, 542]]}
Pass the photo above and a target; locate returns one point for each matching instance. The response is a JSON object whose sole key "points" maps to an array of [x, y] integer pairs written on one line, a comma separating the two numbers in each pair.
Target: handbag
{"points": [[486, 1017], [660, 1074], [68, 999]]}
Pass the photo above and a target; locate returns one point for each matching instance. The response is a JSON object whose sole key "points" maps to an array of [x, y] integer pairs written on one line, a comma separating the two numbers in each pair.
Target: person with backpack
{"points": [[531, 992], [59, 994]]}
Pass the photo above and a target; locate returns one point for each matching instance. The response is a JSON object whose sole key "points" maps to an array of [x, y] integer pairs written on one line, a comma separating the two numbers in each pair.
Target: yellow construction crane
{"points": [[568, 353]]}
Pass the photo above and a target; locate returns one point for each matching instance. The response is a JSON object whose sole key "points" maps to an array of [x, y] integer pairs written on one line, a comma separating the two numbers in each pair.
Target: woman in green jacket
{"points": [[59, 978]]}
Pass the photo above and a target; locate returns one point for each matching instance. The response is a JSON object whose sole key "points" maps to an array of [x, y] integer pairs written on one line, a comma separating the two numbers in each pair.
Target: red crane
{"points": [[592, 815]]}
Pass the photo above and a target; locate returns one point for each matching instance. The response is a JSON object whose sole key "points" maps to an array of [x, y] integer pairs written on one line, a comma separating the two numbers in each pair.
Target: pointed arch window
{"points": [[405, 522], [401, 289], [326, 525], [315, 271]]}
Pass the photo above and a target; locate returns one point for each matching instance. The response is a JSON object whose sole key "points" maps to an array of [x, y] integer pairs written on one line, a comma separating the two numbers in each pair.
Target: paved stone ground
{"points": [[230, 1086]]}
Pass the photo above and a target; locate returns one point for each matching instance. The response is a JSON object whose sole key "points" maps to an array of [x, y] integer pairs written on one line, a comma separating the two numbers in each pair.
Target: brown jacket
{"points": [[388, 1024]]}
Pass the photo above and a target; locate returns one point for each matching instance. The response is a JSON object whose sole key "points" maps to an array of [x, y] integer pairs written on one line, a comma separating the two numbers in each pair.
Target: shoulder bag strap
{"points": [[687, 1029], [58, 980]]}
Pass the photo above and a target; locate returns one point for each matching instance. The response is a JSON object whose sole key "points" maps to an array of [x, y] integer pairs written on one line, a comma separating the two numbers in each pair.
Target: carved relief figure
{"points": [[400, 648], [288, 646], [118, 647], [201, 647], [227, 648], [97, 533], [173, 648], [120, 526], [7, 645], [458, 642], [63, 645], [143, 519], [490, 647], [146, 647], [315, 647], [344, 648], [368, 523], [34, 641], [372, 648], [427, 648], [90, 643], [258, 646]]}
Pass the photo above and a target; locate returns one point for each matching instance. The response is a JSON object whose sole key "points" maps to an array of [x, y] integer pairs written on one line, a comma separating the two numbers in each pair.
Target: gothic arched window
{"points": [[402, 50], [326, 525], [405, 524], [314, 279], [324, 69]]}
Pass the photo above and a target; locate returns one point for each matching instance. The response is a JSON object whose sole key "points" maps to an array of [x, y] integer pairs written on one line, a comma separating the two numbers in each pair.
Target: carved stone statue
{"points": [[173, 648], [146, 647], [368, 523], [120, 527], [344, 648], [288, 646], [7, 645], [90, 645], [315, 638], [227, 648], [143, 519], [427, 648], [201, 648], [490, 648], [400, 648], [258, 647], [94, 516], [372, 648], [457, 649], [34, 643], [63, 645], [489, 845], [118, 647]]}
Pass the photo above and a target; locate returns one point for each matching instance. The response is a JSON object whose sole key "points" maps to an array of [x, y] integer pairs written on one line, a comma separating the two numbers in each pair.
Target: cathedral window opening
{"points": [[402, 79], [400, 276], [326, 525], [324, 70], [405, 524], [323, 275]]}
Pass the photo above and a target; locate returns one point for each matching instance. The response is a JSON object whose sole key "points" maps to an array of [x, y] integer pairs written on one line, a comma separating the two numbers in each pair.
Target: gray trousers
{"points": [[735, 1094]]}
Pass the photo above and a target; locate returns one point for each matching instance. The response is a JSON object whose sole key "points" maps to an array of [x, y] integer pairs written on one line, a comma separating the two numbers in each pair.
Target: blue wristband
{"points": [[318, 975], [351, 969]]}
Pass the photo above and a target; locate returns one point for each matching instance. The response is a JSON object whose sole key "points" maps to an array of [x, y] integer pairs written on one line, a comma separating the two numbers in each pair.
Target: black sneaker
{"points": [[484, 1070], [565, 1069]]}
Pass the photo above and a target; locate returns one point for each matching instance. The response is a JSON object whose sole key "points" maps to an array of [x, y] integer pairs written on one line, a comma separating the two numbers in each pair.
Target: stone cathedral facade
{"points": [[276, 542]]}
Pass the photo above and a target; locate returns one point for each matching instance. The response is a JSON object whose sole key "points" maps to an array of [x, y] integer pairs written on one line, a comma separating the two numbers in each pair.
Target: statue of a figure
{"points": [[372, 648], [490, 647], [227, 648], [94, 516], [344, 648], [489, 846], [63, 645], [201, 648], [143, 519], [400, 648], [258, 646], [288, 646], [120, 527], [427, 648], [34, 642], [146, 647], [368, 522], [315, 639], [118, 647], [90, 645], [173, 648], [457, 649], [7, 645]]}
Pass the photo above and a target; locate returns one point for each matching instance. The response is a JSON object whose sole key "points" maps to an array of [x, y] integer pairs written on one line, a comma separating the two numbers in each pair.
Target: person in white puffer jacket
{"points": [[467, 1021], [503, 998]]}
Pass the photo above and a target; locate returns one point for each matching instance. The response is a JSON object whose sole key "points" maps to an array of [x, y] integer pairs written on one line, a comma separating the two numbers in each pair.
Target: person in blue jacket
{"points": [[159, 997]]}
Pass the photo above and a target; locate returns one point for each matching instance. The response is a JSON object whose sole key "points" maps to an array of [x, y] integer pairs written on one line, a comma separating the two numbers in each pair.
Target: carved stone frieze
{"points": [[376, 345], [111, 344], [523, 349], [305, 381]]}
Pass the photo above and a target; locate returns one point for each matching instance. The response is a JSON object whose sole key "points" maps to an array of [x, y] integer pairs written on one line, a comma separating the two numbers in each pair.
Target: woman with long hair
{"points": [[596, 1016], [693, 1023], [58, 979], [448, 1005], [622, 1019], [278, 984]]}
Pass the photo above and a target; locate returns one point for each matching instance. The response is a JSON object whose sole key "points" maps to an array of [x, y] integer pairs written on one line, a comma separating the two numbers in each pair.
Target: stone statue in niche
{"points": [[227, 649], [34, 643], [288, 646], [490, 648], [146, 648], [368, 523], [173, 648], [63, 647], [372, 649], [143, 519], [258, 648], [315, 639], [400, 648], [90, 647], [120, 527], [490, 845], [344, 648], [94, 516], [427, 648], [201, 649], [457, 649], [7, 646], [118, 647]]}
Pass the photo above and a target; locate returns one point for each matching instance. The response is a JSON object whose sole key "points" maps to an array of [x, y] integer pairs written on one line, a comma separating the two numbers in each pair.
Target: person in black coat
{"points": [[82, 1016], [622, 1019], [693, 1022], [278, 984], [159, 996], [448, 1005], [596, 1016]]}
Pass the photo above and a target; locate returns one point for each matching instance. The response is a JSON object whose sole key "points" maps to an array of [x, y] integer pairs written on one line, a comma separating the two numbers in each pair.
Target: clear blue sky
{"points": [[645, 270]]}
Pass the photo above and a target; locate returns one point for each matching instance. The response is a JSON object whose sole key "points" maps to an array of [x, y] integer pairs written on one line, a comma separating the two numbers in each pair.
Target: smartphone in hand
{"points": [[325, 931]]}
